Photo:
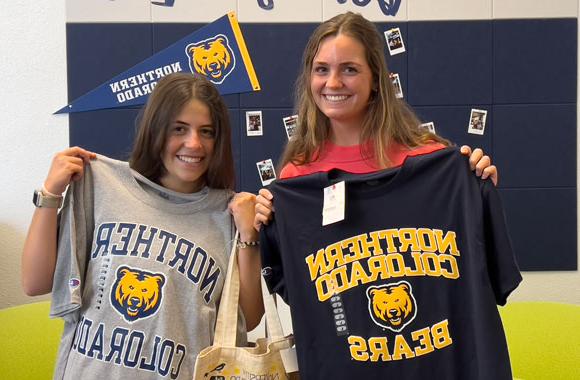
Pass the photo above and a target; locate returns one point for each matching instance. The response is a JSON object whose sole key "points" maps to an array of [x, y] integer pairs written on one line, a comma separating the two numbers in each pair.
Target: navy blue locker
{"points": [[535, 145], [259, 148], [450, 63], [542, 224], [451, 122], [534, 61], [109, 132], [236, 144], [98, 52], [276, 51], [95, 54]]}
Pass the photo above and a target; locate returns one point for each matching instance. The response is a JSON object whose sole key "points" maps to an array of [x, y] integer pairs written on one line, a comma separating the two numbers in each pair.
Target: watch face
{"points": [[36, 198], [40, 200]]}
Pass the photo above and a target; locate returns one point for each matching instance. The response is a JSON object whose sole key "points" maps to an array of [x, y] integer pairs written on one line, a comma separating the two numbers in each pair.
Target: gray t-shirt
{"points": [[139, 273]]}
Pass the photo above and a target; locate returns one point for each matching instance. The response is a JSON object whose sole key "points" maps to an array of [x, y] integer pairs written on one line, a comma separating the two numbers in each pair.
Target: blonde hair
{"points": [[387, 118]]}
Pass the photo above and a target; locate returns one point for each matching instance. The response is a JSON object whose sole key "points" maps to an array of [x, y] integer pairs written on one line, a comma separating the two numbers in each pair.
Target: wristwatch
{"points": [[41, 200]]}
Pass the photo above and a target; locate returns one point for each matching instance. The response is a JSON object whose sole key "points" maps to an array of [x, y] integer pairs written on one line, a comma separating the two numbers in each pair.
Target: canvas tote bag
{"points": [[223, 360]]}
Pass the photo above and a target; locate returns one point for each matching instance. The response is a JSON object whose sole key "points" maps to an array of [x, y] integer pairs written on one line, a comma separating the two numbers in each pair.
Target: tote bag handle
{"points": [[226, 324]]}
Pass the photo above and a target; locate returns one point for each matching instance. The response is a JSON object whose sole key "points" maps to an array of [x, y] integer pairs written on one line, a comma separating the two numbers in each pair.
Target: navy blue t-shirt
{"points": [[406, 286]]}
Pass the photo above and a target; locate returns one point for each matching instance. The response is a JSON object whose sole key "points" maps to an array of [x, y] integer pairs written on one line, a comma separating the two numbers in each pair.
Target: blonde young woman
{"points": [[350, 118], [371, 292]]}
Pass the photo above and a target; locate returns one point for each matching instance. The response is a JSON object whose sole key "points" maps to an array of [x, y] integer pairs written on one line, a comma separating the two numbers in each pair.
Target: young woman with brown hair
{"points": [[136, 259]]}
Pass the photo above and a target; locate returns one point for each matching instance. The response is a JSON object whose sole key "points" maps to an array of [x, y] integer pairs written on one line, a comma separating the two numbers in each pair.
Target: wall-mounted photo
{"points": [[266, 171], [430, 127], [254, 123], [395, 41], [477, 121], [290, 125]]}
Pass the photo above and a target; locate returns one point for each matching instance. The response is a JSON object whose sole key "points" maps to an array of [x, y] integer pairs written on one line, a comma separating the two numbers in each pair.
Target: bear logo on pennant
{"points": [[213, 58]]}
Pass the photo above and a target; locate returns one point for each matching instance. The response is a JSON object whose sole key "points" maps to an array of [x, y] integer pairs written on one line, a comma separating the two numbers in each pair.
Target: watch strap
{"points": [[39, 199]]}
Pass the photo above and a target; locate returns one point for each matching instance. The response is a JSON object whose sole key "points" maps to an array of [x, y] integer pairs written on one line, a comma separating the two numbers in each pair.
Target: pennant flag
{"points": [[217, 51]]}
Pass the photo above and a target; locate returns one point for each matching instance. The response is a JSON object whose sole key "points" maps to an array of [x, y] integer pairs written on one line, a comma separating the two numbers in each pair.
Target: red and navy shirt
{"points": [[406, 286]]}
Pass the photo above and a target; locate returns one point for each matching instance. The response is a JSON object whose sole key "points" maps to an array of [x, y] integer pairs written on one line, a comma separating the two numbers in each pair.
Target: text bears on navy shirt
{"points": [[407, 285]]}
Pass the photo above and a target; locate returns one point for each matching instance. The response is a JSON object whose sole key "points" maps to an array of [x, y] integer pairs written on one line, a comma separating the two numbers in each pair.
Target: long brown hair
{"points": [[166, 101], [387, 118]]}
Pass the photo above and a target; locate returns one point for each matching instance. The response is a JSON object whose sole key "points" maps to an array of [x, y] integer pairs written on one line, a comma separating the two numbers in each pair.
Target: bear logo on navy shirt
{"points": [[392, 306]]}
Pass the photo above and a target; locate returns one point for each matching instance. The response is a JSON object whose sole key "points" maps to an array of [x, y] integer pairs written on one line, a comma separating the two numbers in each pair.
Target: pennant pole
{"points": [[244, 51]]}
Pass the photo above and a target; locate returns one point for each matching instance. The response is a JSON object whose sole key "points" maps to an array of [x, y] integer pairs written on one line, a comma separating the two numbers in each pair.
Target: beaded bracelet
{"points": [[244, 244]]}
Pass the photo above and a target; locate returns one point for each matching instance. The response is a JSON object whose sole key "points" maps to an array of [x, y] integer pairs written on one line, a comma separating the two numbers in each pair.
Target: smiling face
{"points": [[341, 81], [188, 149]]}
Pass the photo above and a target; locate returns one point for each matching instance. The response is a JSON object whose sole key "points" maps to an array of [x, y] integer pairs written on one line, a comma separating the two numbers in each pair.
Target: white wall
{"points": [[33, 85]]}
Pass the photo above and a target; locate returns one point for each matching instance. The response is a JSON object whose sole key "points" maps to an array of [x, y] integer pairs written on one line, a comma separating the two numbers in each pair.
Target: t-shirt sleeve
{"points": [[272, 268], [503, 269], [426, 149], [72, 250], [289, 171]]}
